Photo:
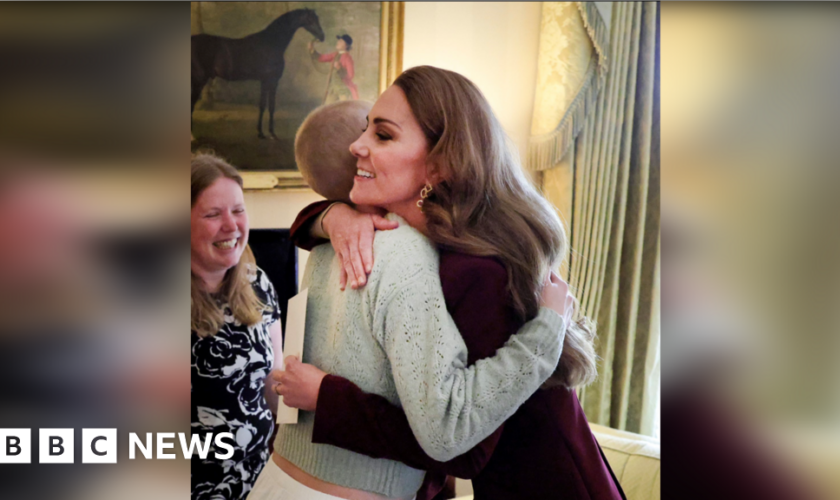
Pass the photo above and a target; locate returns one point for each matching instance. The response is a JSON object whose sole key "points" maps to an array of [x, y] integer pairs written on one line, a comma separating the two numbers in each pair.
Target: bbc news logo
{"points": [[99, 446]]}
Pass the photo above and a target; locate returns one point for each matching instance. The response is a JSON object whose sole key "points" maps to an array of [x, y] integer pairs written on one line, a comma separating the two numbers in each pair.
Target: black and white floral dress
{"points": [[228, 377]]}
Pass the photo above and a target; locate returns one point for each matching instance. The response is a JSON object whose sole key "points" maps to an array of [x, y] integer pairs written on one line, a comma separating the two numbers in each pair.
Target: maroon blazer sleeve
{"points": [[299, 232], [350, 418], [347, 417]]}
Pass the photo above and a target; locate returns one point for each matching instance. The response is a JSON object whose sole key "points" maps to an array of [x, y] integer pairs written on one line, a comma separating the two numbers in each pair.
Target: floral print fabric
{"points": [[228, 374]]}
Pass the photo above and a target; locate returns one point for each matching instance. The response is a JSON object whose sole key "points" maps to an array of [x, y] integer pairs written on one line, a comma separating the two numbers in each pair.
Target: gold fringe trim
{"points": [[598, 33], [545, 151]]}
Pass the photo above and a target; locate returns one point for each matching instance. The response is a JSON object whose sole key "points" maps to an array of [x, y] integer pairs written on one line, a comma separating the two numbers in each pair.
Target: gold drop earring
{"points": [[424, 193]]}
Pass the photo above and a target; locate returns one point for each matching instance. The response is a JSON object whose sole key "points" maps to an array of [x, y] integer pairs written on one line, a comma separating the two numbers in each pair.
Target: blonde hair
{"points": [[206, 317], [485, 205]]}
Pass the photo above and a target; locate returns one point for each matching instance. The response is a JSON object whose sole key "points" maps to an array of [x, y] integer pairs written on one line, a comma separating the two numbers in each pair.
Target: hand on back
{"points": [[351, 234], [555, 295]]}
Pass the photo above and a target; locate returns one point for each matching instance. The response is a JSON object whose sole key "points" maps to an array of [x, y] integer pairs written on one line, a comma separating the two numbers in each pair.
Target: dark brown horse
{"points": [[255, 57]]}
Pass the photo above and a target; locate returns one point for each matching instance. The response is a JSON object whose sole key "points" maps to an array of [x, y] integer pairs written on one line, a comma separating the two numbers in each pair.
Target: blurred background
{"points": [[94, 221], [750, 232], [93, 212]]}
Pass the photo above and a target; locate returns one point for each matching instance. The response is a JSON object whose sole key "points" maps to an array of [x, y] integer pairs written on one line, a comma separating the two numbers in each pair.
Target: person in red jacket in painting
{"points": [[341, 88]]}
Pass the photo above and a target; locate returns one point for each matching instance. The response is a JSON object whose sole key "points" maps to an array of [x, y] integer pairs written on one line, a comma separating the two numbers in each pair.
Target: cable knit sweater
{"points": [[395, 338]]}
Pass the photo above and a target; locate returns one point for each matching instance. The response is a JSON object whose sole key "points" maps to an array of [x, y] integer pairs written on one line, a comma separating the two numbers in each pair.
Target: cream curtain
{"points": [[571, 68], [602, 172]]}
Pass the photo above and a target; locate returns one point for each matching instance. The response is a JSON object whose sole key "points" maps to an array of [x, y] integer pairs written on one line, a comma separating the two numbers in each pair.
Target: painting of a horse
{"points": [[259, 56], [246, 53]]}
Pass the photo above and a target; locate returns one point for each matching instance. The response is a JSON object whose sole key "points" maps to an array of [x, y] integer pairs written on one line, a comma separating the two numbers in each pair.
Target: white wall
{"points": [[278, 209], [493, 44]]}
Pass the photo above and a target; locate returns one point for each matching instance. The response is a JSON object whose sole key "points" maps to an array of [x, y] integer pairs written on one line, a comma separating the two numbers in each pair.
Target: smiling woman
{"points": [[235, 332], [391, 154], [219, 231]]}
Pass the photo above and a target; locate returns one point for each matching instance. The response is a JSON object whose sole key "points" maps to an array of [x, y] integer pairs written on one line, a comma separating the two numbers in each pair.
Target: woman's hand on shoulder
{"points": [[299, 384], [351, 233], [555, 295]]}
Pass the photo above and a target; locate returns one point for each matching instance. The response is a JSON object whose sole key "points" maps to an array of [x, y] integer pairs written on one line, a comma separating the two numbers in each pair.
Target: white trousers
{"points": [[274, 484]]}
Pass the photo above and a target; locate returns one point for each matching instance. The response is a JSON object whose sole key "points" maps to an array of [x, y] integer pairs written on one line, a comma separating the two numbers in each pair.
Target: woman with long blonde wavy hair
{"points": [[433, 133], [235, 329]]}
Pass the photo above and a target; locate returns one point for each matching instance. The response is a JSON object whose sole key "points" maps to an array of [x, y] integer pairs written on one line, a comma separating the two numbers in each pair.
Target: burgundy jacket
{"points": [[545, 450]]}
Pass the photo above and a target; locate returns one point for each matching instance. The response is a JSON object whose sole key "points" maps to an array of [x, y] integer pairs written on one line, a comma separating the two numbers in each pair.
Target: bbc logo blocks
{"points": [[15, 446], [99, 446], [56, 446]]}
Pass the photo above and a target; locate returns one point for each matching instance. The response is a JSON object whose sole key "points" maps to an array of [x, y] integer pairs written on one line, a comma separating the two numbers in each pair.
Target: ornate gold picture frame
{"points": [[252, 122]]}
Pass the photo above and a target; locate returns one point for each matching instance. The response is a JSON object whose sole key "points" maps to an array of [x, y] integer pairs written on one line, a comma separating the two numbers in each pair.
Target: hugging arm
{"points": [[349, 231], [301, 230], [456, 407], [452, 407], [349, 418]]}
